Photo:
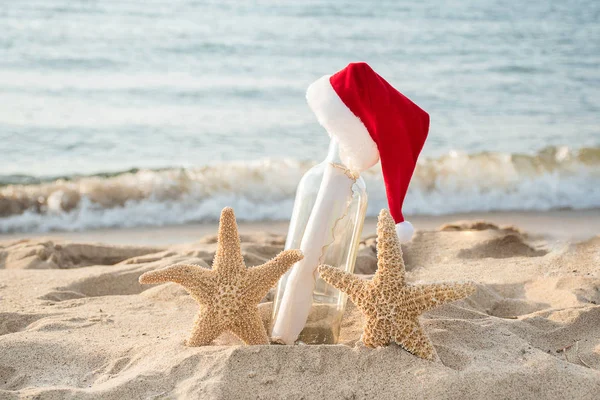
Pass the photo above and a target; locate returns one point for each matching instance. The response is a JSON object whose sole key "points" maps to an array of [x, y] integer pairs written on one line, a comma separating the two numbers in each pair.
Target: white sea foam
{"points": [[264, 190]]}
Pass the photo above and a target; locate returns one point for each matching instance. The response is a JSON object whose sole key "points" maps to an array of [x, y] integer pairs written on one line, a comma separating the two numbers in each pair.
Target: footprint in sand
{"points": [[120, 282], [508, 246], [11, 322], [59, 323], [50, 254]]}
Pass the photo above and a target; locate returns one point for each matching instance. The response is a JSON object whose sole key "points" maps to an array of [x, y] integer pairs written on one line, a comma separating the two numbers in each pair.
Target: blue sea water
{"points": [[214, 91]]}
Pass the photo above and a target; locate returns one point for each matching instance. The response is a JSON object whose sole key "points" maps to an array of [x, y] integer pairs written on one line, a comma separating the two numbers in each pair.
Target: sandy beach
{"points": [[126, 128], [75, 322]]}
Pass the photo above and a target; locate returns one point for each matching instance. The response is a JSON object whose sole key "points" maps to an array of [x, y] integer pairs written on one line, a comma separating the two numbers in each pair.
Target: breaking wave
{"points": [[554, 178]]}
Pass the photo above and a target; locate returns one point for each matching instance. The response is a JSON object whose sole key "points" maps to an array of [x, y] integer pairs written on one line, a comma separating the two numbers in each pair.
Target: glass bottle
{"points": [[326, 224]]}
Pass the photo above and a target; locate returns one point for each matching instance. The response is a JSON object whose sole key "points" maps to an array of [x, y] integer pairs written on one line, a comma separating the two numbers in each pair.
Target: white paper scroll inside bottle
{"points": [[329, 212]]}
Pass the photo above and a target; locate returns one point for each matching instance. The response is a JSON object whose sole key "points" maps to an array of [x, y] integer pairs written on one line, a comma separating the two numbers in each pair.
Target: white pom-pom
{"points": [[405, 231]]}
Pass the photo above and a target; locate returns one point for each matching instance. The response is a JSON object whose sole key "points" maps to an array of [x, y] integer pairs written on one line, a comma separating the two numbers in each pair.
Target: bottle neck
{"points": [[334, 159], [333, 154]]}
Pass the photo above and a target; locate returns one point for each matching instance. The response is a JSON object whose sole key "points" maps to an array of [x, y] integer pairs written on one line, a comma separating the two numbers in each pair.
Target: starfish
{"points": [[228, 295], [391, 306]]}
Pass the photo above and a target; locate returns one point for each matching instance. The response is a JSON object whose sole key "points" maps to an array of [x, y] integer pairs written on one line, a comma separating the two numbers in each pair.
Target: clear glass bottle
{"points": [[330, 208]]}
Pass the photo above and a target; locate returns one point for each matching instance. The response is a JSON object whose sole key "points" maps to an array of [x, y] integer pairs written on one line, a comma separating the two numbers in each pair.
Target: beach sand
{"points": [[75, 322]]}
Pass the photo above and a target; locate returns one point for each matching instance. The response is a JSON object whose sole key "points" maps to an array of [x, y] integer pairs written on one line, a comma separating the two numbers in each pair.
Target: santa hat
{"points": [[372, 121]]}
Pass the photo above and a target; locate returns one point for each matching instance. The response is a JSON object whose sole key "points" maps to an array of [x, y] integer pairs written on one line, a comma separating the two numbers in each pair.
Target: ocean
{"points": [[138, 113]]}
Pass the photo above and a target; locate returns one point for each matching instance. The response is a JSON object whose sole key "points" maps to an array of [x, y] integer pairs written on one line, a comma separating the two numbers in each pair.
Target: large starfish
{"points": [[391, 306], [228, 294]]}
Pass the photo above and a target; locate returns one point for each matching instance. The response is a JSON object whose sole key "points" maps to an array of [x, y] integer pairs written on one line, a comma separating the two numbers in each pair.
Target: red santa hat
{"points": [[372, 121]]}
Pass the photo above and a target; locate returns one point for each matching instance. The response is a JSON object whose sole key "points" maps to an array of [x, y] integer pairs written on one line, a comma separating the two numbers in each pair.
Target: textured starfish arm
{"points": [[250, 328], [228, 257], [207, 328], [426, 297], [178, 273], [263, 277], [193, 278], [350, 284], [389, 251], [411, 336], [376, 332]]}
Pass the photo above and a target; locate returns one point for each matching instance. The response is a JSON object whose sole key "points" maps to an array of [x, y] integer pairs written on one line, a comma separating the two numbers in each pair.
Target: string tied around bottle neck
{"points": [[348, 172]]}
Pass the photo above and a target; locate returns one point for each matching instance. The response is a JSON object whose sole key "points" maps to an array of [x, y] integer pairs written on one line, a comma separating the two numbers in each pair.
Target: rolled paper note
{"points": [[332, 201]]}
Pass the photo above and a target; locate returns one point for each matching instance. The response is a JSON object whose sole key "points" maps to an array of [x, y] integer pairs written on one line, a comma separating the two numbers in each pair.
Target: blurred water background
{"points": [[128, 113]]}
